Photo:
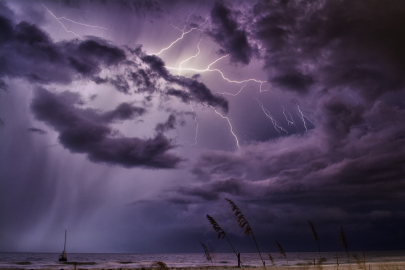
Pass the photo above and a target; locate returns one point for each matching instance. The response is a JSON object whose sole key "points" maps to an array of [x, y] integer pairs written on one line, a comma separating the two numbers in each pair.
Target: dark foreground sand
{"points": [[367, 266]]}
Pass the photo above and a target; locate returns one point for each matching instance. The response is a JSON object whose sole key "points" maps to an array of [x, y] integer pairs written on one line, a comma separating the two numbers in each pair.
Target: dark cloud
{"points": [[37, 130], [344, 58], [338, 118], [197, 90], [120, 83], [184, 96], [201, 93], [168, 125], [158, 66], [89, 54], [337, 44], [80, 132], [146, 8], [294, 81], [214, 190], [3, 86], [347, 170], [29, 52], [124, 111], [317, 174], [227, 33], [7, 29]]}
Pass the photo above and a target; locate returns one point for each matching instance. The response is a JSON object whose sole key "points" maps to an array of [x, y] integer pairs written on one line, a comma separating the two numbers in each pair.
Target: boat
{"points": [[63, 257]]}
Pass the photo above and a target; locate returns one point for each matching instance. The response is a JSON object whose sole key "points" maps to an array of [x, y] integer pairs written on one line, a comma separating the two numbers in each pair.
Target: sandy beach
{"points": [[366, 266]]}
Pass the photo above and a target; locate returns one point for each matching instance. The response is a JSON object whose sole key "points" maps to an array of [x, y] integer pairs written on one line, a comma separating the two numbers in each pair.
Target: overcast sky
{"points": [[126, 122]]}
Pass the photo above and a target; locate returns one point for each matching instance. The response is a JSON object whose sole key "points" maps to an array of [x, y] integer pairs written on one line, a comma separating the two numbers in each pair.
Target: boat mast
{"points": [[64, 247]]}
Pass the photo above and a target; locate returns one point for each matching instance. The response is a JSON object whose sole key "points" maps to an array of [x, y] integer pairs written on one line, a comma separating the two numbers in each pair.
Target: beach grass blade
{"points": [[221, 233], [281, 250], [316, 238], [207, 253], [244, 224]]}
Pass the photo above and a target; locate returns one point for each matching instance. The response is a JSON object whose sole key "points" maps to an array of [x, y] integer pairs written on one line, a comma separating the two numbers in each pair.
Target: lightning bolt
{"points": [[302, 116], [277, 127], [240, 90], [208, 69], [185, 23], [354, 99], [229, 122], [288, 118], [83, 24], [191, 57], [58, 19], [183, 34]]}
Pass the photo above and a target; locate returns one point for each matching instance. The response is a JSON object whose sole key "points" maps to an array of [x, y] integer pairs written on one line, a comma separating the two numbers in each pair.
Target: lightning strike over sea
{"points": [[124, 124]]}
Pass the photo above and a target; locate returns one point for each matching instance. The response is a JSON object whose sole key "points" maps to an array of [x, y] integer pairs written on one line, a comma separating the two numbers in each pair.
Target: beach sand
{"points": [[367, 266]]}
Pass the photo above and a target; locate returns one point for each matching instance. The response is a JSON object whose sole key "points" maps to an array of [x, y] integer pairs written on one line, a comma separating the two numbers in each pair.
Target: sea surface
{"points": [[128, 260]]}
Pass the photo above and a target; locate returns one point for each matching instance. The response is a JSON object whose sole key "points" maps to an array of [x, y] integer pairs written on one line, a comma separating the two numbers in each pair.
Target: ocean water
{"points": [[127, 260]]}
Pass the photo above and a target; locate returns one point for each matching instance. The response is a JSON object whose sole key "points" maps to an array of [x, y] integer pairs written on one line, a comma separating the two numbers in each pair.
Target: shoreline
{"points": [[394, 265]]}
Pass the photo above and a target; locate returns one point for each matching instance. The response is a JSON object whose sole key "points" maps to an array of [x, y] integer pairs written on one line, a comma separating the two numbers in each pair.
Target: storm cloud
{"points": [[227, 33], [81, 131], [29, 52], [333, 45], [302, 121]]}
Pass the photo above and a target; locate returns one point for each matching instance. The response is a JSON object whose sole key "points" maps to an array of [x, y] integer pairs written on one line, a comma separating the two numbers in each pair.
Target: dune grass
{"points": [[247, 229], [221, 234], [207, 253], [244, 224]]}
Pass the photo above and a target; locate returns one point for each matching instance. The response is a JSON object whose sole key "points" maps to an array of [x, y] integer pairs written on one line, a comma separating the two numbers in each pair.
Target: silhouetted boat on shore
{"points": [[62, 257]]}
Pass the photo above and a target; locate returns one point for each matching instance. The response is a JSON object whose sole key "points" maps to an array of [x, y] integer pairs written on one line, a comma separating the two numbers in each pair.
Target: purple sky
{"points": [[118, 124]]}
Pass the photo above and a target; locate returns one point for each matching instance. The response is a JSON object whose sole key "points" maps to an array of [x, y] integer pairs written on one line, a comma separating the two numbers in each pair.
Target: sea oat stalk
{"points": [[281, 250], [244, 224], [315, 237], [221, 233], [207, 253]]}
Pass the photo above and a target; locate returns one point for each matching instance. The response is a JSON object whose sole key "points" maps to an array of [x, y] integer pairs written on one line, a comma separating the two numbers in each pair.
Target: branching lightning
{"points": [[208, 69], [302, 116], [229, 122], [191, 57], [288, 118], [58, 19], [240, 90], [277, 127], [183, 34], [83, 24], [180, 69]]}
